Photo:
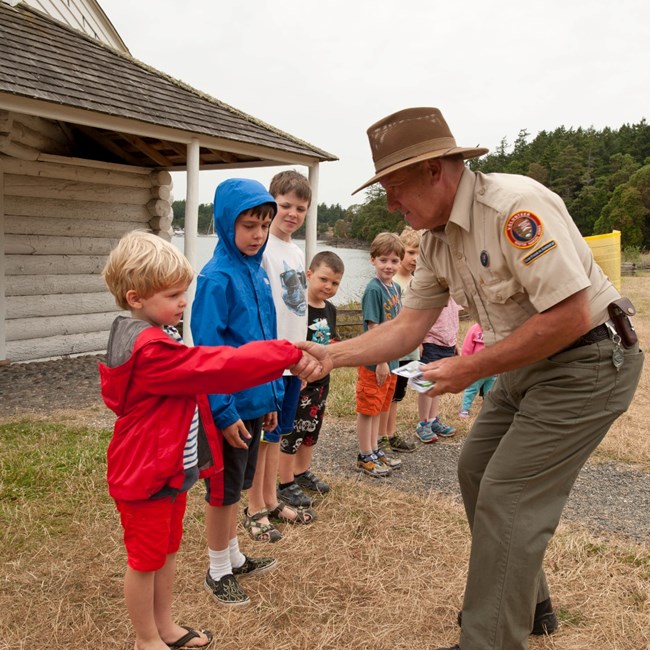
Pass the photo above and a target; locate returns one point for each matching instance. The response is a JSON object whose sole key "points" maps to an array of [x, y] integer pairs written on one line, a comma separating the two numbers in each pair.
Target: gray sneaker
{"points": [[226, 591], [309, 481], [255, 566], [292, 495]]}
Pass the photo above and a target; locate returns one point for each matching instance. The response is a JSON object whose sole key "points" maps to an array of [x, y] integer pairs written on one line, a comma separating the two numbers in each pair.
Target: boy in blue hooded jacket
{"points": [[233, 306]]}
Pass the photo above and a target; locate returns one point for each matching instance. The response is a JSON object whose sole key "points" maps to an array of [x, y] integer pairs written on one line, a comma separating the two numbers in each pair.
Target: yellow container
{"points": [[607, 253]]}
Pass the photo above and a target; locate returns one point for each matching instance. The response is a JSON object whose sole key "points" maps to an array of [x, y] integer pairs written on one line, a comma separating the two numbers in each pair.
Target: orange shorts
{"points": [[371, 398]]}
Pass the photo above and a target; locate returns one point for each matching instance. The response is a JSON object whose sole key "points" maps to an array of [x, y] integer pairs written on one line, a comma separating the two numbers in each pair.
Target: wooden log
{"points": [[21, 329], [17, 150], [49, 128], [53, 264], [163, 192], [159, 208], [6, 121], [59, 305], [54, 188], [40, 138], [161, 177], [33, 207], [161, 223], [56, 346], [36, 285], [74, 173], [35, 245], [53, 227]]}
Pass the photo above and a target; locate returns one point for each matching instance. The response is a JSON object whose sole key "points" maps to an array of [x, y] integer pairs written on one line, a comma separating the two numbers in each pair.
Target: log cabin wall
{"points": [[59, 219]]}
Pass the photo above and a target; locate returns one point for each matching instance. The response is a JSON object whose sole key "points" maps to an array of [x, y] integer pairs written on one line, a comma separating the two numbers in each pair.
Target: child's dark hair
{"points": [[260, 211], [385, 243], [290, 181], [327, 258]]}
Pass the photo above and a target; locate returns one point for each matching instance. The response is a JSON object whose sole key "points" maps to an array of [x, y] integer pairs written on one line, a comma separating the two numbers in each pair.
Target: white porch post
{"points": [[311, 230], [191, 228]]}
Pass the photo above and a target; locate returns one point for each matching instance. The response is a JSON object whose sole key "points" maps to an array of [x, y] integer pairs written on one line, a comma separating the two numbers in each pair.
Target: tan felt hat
{"points": [[410, 136]]}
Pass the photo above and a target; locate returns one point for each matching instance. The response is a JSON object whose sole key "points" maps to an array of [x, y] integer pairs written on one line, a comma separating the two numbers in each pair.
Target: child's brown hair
{"points": [[385, 243], [291, 181], [327, 258]]}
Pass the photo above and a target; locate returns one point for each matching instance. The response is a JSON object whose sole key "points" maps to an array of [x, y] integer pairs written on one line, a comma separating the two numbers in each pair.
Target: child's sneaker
{"points": [[370, 465], [253, 566], [441, 429], [401, 445], [463, 413], [226, 590], [424, 433], [309, 481], [384, 444], [388, 461]]}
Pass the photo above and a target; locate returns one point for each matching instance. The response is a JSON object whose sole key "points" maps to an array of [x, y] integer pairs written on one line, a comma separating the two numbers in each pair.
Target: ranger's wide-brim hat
{"points": [[411, 136]]}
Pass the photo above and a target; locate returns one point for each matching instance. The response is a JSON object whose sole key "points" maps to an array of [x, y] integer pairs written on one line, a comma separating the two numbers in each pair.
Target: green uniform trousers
{"points": [[537, 428]]}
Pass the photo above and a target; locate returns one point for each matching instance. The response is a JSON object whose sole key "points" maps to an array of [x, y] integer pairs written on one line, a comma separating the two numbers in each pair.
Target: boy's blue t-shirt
{"points": [[379, 304], [233, 303]]}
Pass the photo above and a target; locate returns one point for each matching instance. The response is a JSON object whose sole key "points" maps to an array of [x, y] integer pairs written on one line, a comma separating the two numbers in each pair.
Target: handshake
{"points": [[315, 362]]}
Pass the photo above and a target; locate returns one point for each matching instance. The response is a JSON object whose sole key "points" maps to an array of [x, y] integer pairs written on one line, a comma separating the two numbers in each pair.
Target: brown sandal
{"points": [[260, 532], [302, 515]]}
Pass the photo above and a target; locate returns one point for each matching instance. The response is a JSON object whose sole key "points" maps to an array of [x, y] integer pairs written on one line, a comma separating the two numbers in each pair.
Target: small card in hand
{"points": [[413, 371]]}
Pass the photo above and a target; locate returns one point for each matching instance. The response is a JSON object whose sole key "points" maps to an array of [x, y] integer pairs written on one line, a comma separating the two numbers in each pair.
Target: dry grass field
{"points": [[380, 569]]}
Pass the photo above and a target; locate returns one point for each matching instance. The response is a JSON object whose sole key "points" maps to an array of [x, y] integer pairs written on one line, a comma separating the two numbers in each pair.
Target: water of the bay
{"points": [[358, 270]]}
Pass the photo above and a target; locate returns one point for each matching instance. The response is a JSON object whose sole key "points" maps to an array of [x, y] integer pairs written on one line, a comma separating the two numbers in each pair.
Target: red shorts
{"points": [[373, 399], [152, 530]]}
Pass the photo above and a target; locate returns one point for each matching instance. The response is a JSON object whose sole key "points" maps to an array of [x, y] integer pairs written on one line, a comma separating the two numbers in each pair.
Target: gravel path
{"points": [[607, 497]]}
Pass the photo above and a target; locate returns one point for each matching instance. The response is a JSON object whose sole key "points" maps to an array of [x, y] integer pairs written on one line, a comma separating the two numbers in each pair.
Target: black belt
{"points": [[599, 333]]}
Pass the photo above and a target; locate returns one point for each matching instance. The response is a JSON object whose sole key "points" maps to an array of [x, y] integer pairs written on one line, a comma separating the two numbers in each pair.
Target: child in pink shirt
{"points": [[473, 343]]}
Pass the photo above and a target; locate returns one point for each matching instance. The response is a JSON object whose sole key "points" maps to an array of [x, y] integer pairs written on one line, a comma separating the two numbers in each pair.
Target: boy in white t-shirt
{"points": [[284, 263]]}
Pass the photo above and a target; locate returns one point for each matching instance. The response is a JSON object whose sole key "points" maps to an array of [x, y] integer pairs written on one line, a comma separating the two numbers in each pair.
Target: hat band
{"points": [[433, 146]]}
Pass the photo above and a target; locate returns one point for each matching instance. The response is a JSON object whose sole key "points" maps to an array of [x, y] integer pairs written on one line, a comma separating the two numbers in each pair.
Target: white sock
{"points": [[219, 563], [237, 558]]}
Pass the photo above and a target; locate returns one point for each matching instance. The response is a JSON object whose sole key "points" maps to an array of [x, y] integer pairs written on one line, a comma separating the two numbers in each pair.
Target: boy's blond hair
{"points": [[145, 263], [410, 238], [385, 243], [290, 181]]}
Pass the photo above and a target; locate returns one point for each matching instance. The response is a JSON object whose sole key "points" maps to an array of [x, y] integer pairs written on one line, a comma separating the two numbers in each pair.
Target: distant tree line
{"points": [[602, 176]]}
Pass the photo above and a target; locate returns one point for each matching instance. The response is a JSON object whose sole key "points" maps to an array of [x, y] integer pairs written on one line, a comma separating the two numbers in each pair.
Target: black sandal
{"points": [[180, 644], [303, 515], [261, 532]]}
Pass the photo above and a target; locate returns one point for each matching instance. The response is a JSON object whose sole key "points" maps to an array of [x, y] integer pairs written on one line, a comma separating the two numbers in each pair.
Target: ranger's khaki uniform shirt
{"points": [[509, 250]]}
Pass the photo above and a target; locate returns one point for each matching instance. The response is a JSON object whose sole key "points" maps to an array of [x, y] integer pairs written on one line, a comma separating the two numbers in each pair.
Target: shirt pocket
{"points": [[499, 291]]}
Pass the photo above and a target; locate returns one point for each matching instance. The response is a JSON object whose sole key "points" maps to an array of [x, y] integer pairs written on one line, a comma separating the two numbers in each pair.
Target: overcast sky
{"points": [[324, 70]]}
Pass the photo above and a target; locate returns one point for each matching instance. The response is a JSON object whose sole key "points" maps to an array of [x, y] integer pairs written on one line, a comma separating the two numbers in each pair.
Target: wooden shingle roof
{"points": [[124, 108]]}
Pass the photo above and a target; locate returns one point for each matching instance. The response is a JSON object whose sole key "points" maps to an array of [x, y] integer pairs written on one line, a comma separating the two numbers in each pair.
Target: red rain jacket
{"points": [[154, 394]]}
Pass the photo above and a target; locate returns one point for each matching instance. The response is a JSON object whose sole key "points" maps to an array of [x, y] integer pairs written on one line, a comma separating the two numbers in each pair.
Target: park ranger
{"points": [[556, 330]]}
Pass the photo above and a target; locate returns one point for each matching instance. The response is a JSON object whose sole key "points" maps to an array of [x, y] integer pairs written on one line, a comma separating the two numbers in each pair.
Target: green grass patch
{"points": [[38, 457]]}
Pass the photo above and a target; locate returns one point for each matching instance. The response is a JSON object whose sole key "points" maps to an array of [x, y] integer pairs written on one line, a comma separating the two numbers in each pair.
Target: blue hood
{"points": [[231, 198]]}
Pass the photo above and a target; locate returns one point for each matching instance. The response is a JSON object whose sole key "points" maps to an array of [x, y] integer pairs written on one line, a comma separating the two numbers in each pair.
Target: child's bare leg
{"points": [[374, 430], [364, 433], [274, 459], [162, 605], [303, 458], [286, 466], [427, 406], [256, 492], [220, 525], [139, 599], [382, 426], [391, 422]]}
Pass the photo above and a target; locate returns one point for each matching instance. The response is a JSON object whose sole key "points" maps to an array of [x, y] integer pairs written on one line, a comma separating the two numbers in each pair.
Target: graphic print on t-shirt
{"points": [[321, 331], [294, 285]]}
